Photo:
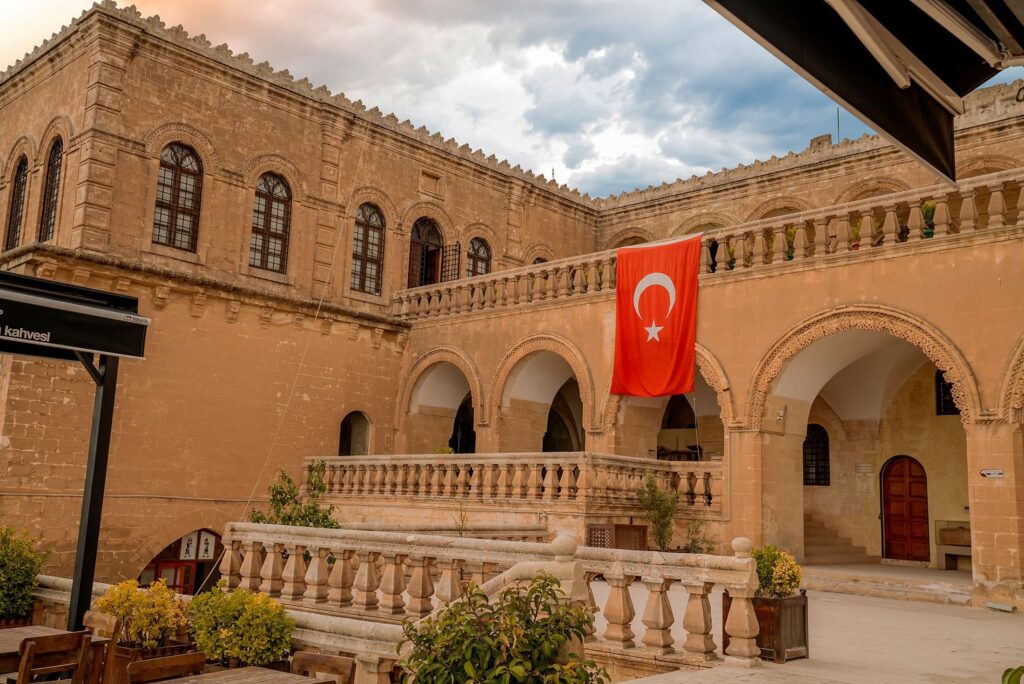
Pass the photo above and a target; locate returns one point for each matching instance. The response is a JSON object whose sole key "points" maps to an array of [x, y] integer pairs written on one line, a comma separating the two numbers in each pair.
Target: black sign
{"points": [[44, 318]]}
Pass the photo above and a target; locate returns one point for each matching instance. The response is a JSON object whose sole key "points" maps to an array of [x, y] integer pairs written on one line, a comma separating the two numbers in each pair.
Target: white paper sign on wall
{"points": [[992, 472]]}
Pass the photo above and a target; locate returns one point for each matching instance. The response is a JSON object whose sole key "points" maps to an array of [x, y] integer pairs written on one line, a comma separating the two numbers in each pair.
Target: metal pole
{"points": [[92, 496]]}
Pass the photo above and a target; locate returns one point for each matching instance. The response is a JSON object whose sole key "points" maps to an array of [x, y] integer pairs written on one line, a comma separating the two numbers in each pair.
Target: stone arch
{"points": [[1012, 394], [275, 163], [986, 163], [562, 348], [431, 210], [935, 345], [379, 198], [59, 125], [776, 204], [161, 136], [703, 219], [482, 230], [181, 523], [876, 185], [25, 146], [537, 251], [709, 367], [429, 358], [634, 232]]}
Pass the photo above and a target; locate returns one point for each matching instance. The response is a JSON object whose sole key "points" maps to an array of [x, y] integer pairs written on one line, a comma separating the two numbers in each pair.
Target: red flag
{"points": [[656, 318]]}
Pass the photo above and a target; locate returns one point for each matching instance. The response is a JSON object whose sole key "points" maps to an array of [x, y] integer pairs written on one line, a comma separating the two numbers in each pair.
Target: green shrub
{"points": [[148, 616], [696, 540], [252, 628], [659, 509], [522, 636], [20, 564], [778, 574], [289, 507]]}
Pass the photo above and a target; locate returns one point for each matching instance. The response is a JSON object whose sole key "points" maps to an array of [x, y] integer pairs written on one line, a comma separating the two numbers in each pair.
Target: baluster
{"points": [[708, 496], [518, 481], [359, 483], [996, 206], [231, 563], [252, 563], [449, 480], [705, 256], [941, 219], [606, 274], [739, 250], [524, 288], [465, 297], [533, 482], [374, 479], [657, 616], [618, 610], [462, 481], [968, 211], [889, 226], [339, 584], [449, 586], [612, 260], [388, 478], [392, 585], [741, 625], [293, 576], [540, 284], [578, 279], [402, 483], [271, 572], [316, 578], [421, 587], [567, 483], [800, 242], [437, 479], [592, 606], [426, 472], [550, 481], [697, 620], [592, 283], [501, 291], [365, 595], [779, 245], [691, 488], [821, 237], [503, 481], [476, 297], [561, 284], [915, 222], [483, 480]]}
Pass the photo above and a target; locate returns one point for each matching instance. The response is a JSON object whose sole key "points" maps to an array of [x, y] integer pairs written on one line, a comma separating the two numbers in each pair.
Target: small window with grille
{"points": [[51, 190], [478, 258], [944, 404], [16, 212], [816, 466]]}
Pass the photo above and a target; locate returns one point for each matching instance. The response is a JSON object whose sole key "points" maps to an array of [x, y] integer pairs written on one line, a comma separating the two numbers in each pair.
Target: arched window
{"points": [[368, 250], [17, 209], [816, 468], [179, 189], [478, 258], [354, 439], [944, 404], [425, 251], [271, 222], [51, 188]]}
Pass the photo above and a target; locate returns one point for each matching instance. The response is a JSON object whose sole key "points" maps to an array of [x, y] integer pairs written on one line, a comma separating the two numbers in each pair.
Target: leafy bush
{"points": [[20, 564], [1013, 675], [252, 628], [696, 540], [289, 507], [659, 509], [778, 574], [148, 616], [522, 636], [928, 215]]}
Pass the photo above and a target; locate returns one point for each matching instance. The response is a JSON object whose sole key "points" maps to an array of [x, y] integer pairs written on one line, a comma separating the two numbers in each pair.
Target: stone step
{"points": [[834, 549], [826, 538], [894, 587], [838, 559]]}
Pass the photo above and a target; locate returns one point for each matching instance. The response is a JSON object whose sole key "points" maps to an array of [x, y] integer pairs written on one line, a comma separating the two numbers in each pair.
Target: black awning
{"points": [[901, 66], [55, 320]]}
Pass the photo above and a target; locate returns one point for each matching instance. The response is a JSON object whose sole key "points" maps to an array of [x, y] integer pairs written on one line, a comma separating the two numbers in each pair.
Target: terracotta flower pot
{"points": [[782, 626]]}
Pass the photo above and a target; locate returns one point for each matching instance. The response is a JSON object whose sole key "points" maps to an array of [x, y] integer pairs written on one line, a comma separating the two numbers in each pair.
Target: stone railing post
{"points": [[293, 577], [657, 616], [271, 572], [741, 626], [249, 573], [996, 209], [392, 585], [449, 586], [231, 563], [618, 610], [365, 594], [697, 620], [421, 587], [339, 584], [316, 577], [968, 211]]}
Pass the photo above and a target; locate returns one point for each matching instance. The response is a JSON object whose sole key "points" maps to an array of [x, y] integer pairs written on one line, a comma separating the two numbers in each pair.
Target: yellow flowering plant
{"points": [[251, 628], [778, 573], [148, 616]]}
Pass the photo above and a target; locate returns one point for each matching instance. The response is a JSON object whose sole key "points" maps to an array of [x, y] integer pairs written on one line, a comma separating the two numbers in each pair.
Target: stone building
{"points": [[326, 280]]}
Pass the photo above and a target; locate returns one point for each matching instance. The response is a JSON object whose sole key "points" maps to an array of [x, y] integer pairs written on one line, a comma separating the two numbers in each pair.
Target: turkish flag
{"points": [[656, 318]]}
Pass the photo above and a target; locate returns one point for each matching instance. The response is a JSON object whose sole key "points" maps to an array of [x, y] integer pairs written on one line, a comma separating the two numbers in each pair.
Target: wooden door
{"points": [[905, 510]]}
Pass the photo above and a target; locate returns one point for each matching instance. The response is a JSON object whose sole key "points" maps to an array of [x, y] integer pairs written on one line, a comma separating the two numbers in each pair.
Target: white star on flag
{"points": [[654, 331]]}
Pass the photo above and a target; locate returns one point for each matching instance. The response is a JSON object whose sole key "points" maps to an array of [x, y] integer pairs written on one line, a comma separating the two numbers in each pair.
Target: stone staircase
{"points": [[824, 546]]}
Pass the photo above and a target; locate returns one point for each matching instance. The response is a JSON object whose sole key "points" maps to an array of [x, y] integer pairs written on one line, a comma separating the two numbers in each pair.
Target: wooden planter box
{"points": [[119, 658], [280, 666], [782, 624], [10, 623]]}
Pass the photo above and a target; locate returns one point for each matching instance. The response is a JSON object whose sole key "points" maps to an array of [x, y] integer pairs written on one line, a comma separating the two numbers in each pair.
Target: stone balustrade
{"points": [[390, 577], [832, 235], [547, 478]]}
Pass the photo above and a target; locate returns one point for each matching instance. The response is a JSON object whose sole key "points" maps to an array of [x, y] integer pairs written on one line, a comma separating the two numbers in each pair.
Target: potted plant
{"points": [[659, 508], [524, 634], [780, 606], [150, 620], [20, 563], [241, 628]]}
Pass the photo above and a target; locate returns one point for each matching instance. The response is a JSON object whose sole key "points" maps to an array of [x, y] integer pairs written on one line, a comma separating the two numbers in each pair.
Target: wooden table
{"points": [[10, 643], [245, 675]]}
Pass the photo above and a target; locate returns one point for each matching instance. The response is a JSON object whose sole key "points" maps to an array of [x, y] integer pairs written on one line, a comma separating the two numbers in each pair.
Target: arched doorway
{"points": [[563, 431], [541, 406], [426, 249], [905, 510], [463, 440], [185, 563], [354, 437]]}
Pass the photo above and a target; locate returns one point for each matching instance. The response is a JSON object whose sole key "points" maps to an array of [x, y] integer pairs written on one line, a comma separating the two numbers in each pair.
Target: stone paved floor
{"points": [[865, 639]]}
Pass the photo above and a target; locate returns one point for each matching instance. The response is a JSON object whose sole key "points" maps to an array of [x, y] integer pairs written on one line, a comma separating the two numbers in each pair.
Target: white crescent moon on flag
{"points": [[655, 279]]}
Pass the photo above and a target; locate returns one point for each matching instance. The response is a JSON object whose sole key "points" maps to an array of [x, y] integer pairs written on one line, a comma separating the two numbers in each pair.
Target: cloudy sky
{"points": [[610, 95]]}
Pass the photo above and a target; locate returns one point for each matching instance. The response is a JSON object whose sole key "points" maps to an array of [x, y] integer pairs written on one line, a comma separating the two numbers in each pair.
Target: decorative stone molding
{"points": [[1012, 394], [165, 134], [379, 198], [429, 358], [25, 146], [706, 218], [378, 334], [936, 346], [710, 369], [58, 126], [557, 345], [161, 295], [798, 204], [537, 250], [629, 233], [986, 163], [234, 307], [431, 210], [883, 184], [275, 163], [482, 230], [198, 307]]}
